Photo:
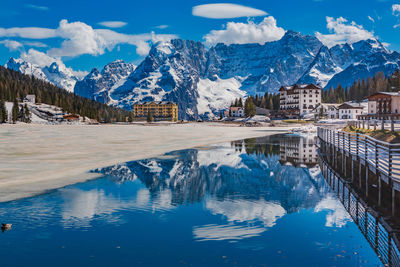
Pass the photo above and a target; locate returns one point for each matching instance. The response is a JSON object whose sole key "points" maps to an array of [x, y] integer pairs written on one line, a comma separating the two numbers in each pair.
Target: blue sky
{"points": [[68, 31]]}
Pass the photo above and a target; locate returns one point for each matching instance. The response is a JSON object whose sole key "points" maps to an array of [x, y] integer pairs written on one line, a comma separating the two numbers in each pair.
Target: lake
{"points": [[253, 202]]}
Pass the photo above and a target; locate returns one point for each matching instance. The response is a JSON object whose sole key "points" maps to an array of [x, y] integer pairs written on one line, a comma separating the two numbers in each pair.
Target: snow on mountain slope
{"points": [[343, 64], [57, 74], [26, 68], [99, 85], [217, 95], [60, 76], [171, 72]]}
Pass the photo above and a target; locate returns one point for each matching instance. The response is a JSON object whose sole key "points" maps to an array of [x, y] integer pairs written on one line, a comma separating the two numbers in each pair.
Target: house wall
{"points": [[396, 104], [157, 110], [309, 99], [350, 113], [332, 113], [304, 100], [372, 107]]}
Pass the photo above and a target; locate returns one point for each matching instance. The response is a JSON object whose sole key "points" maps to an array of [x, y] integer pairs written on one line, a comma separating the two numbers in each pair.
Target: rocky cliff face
{"points": [[99, 85]]}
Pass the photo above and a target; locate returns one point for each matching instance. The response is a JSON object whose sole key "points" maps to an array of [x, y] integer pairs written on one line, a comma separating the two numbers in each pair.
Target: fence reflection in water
{"points": [[378, 233]]}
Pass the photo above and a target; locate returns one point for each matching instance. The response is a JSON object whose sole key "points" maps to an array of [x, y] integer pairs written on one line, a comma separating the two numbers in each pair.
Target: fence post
{"points": [[393, 201], [368, 124], [392, 125], [366, 180], [375, 125], [383, 124], [390, 162], [357, 144], [390, 249]]}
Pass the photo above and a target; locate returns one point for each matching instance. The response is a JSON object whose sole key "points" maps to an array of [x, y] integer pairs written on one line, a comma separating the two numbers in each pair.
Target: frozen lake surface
{"points": [[253, 202]]}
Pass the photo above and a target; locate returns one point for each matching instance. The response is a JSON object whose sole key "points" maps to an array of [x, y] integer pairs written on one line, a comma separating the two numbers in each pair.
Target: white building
{"points": [[299, 99], [384, 103], [236, 112], [332, 111], [351, 110], [329, 111], [30, 99]]}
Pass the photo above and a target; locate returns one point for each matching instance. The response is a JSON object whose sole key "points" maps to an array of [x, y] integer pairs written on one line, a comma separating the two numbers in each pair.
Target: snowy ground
{"points": [[35, 157]]}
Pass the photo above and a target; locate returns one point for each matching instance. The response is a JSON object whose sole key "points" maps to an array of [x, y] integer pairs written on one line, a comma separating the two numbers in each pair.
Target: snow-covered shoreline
{"points": [[35, 158]]}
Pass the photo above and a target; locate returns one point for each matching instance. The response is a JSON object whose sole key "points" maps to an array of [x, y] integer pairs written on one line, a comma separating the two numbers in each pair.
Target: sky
{"points": [[84, 34]]}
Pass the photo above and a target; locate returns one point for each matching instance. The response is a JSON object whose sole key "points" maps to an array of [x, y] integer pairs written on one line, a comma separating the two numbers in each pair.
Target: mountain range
{"points": [[203, 81]]}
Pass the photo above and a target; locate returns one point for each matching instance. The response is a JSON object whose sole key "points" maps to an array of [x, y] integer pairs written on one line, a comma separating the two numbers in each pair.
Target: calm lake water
{"points": [[256, 202]]}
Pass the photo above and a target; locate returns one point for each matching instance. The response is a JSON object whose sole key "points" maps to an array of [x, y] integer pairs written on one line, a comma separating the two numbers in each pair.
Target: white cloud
{"points": [[80, 38], [28, 32], [80, 73], [43, 8], [113, 38], [11, 44], [113, 24], [396, 26], [225, 11], [396, 9], [337, 215], [343, 32], [371, 19], [247, 210], [215, 232], [161, 27], [34, 44], [39, 58], [242, 33]]}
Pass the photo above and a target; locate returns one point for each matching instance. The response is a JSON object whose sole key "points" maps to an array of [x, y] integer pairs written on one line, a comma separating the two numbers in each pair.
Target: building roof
{"points": [[299, 86], [351, 106], [154, 102], [235, 108], [385, 93]]}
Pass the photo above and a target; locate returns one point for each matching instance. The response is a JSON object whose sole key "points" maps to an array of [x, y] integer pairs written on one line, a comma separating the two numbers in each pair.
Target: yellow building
{"points": [[162, 110]]}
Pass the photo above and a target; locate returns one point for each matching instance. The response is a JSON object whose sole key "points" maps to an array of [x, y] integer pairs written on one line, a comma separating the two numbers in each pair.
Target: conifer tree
{"points": [[16, 85], [150, 117], [27, 114], [15, 111], [3, 112], [249, 107]]}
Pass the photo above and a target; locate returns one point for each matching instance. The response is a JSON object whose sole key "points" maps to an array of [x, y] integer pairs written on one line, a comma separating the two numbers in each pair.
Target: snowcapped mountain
{"points": [[343, 64], [204, 81], [99, 85], [56, 74], [26, 68]]}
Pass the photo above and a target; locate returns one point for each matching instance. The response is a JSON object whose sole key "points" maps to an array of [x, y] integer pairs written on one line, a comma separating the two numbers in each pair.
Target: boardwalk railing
{"points": [[380, 157], [377, 232], [376, 124]]}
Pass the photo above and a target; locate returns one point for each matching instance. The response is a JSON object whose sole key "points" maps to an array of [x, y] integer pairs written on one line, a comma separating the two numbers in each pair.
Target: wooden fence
{"points": [[380, 157], [377, 232], [376, 124]]}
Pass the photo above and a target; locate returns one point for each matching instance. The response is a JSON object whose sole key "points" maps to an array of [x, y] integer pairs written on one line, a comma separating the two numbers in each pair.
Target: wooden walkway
{"points": [[382, 158]]}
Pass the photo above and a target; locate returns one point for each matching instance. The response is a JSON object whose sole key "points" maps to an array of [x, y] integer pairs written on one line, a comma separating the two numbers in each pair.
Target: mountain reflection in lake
{"points": [[254, 202]]}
